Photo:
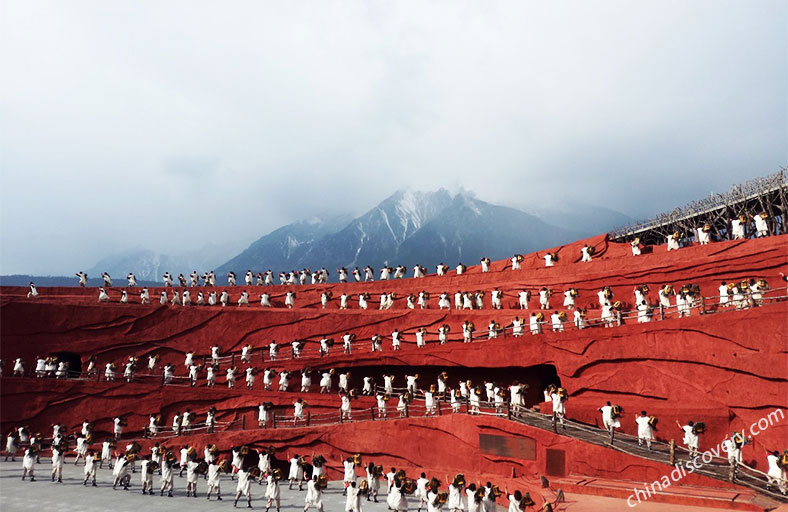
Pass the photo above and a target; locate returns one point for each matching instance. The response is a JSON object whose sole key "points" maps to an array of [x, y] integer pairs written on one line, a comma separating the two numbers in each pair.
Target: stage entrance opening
{"points": [[74, 362]]}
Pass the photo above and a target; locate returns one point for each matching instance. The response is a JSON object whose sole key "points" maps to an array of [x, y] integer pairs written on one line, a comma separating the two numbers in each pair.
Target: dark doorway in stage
{"points": [[74, 362]]}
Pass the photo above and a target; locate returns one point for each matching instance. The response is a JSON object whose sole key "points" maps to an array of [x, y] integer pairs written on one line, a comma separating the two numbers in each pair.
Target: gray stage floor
{"points": [[43, 495]]}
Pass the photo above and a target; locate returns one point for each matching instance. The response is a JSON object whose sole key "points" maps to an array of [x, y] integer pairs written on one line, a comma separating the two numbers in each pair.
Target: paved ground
{"points": [[18, 495], [71, 496]]}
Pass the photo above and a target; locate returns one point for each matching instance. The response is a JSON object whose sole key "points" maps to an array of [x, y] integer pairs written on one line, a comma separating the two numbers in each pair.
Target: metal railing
{"points": [[667, 452]]}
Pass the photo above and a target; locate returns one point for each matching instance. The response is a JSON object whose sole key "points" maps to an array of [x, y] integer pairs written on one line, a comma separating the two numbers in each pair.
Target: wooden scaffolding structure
{"points": [[768, 194]]}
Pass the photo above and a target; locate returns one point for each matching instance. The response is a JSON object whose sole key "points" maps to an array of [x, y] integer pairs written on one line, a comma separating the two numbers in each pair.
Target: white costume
{"points": [[396, 500], [776, 474], [517, 327], [395, 341], [350, 471], [264, 462], [33, 292], [429, 402], [244, 486], [691, 440], [467, 332], [760, 226], [455, 501], [737, 229], [298, 412], [535, 325], [608, 421], [643, 312], [443, 332], [558, 324], [496, 296], [559, 407], [544, 299], [433, 505], [296, 471], [272, 491], [313, 496], [703, 237], [325, 382], [548, 260], [353, 500], [523, 297], [664, 299], [411, 383], [214, 478]]}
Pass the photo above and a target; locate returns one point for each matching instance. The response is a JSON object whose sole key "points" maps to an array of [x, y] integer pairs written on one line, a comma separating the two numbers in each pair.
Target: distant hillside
{"points": [[24, 280], [585, 219], [407, 228], [148, 265]]}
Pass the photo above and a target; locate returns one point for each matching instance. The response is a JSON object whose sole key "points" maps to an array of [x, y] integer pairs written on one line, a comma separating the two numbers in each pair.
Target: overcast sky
{"points": [[170, 124]]}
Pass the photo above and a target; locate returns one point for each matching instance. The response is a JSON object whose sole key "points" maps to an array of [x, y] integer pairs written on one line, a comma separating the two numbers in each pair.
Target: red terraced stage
{"points": [[725, 367]]}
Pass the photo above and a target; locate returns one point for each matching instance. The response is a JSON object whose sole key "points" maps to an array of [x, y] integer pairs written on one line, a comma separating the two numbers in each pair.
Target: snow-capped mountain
{"points": [[375, 237], [284, 246], [408, 228], [470, 229]]}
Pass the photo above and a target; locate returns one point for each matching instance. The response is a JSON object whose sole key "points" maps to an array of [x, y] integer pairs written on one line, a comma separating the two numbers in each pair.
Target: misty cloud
{"points": [[173, 124]]}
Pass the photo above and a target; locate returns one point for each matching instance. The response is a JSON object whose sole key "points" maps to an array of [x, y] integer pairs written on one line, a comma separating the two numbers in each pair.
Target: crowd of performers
{"points": [[742, 293], [245, 465], [745, 226], [465, 394], [741, 227], [734, 295]]}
